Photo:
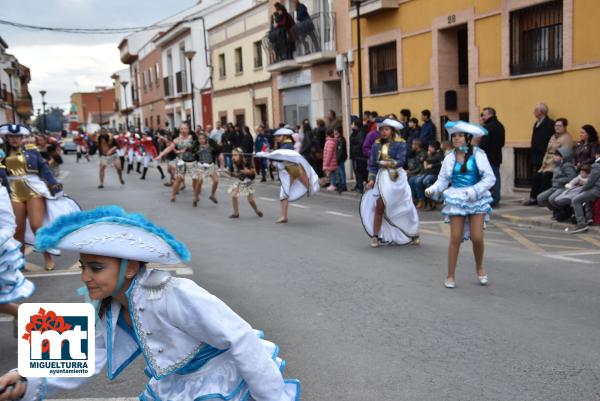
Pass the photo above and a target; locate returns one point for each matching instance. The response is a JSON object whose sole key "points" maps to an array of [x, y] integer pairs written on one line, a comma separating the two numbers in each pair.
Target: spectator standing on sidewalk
{"points": [[414, 131], [492, 144], [261, 144], [214, 136], [589, 193], [370, 139], [542, 180], [359, 161], [404, 119], [428, 129], [341, 155], [247, 144], [543, 129], [333, 121]]}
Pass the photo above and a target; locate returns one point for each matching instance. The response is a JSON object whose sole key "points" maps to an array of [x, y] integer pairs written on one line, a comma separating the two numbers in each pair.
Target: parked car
{"points": [[67, 144]]}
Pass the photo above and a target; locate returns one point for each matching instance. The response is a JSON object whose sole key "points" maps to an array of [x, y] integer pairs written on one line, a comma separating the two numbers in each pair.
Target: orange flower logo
{"points": [[44, 321]]}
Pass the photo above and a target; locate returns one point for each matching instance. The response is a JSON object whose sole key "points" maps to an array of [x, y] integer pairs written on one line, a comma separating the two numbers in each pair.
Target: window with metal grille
{"points": [[383, 68], [536, 43], [239, 66]]}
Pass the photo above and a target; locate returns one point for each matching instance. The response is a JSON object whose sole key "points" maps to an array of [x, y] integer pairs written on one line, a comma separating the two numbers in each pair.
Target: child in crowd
{"points": [[431, 169], [562, 202], [562, 174], [589, 193], [330, 164]]}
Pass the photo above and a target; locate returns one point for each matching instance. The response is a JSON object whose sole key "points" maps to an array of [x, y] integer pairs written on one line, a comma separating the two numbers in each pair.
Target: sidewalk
{"points": [[511, 209]]}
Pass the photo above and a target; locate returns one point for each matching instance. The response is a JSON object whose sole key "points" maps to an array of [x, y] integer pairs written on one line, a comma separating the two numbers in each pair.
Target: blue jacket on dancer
{"points": [[395, 152]]}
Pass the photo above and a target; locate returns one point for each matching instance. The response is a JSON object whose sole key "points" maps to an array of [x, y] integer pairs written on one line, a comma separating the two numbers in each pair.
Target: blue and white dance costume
{"points": [[400, 224], [195, 347], [469, 192], [13, 286]]}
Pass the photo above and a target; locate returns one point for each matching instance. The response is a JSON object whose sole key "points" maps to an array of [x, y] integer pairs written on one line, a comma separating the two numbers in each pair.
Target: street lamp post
{"points": [[43, 93], [99, 98], [357, 3], [10, 71], [124, 85], [189, 54]]}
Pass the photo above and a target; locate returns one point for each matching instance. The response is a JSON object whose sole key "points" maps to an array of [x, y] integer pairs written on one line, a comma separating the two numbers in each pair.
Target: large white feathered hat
{"points": [[390, 122], [110, 231], [14, 129], [475, 130]]}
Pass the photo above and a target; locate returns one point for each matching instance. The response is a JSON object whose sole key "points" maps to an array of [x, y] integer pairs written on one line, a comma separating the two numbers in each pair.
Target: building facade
{"points": [[241, 91], [306, 81], [456, 57], [15, 98], [121, 107], [94, 109]]}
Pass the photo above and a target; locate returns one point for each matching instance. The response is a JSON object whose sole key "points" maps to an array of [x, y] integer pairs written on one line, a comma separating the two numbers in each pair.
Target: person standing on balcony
{"points": [[492, 145], [281, 34], [305, 28], [543, 129]]}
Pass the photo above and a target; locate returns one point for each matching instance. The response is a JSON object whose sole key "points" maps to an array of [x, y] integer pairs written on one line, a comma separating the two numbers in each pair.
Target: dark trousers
{"points": [[541, 182], [359, 166], [496, 189]]}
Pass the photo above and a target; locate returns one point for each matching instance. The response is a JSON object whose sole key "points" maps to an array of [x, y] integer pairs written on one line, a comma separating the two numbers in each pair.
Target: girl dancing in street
{"points": [[467, 203], [195, 347], [244, 175]]}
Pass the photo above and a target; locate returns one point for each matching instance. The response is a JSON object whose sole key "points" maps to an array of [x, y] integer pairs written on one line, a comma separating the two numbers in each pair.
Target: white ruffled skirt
{"points": [[55, 206], [400, 220], [13, 285], [218, 379], [457, 203]]}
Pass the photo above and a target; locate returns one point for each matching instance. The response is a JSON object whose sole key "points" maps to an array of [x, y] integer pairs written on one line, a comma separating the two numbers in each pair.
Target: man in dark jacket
{"points": [[359, 161], [492, 144], [261, 144], [543, 129], [428, 129]]}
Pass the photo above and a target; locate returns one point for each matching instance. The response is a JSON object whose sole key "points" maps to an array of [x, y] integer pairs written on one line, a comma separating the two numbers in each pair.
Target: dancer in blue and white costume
{"points": [[297, 176], [386, 209], [13, 286], [467, 203], [195, 347]]}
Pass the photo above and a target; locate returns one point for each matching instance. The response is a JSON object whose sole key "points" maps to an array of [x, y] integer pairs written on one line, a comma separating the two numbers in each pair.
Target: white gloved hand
{"points": [[429, 192]]}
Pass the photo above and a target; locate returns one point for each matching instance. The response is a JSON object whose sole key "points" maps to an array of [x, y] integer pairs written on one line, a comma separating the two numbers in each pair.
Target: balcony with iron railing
{"points": [[308, 42], [315, 39]]}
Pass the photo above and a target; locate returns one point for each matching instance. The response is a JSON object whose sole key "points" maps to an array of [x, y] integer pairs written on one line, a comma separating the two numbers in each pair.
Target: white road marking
{"points": [[582, 253], [569, 259], [6, 318], [63, 174], [338, 214], [299, 206], [268, 199]]}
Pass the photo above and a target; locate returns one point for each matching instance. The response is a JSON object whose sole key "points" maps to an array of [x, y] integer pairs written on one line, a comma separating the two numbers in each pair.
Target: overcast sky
{"points": [[64, 63]]}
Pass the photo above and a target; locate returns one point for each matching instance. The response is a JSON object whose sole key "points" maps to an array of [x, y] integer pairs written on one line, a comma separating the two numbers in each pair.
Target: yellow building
{"points": [[456, 57], [241, 84]]}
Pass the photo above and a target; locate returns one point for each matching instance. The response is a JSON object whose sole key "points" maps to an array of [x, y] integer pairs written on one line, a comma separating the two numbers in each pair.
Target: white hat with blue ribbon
{"points": [[14, 129], [454, 127], [110, 231]]}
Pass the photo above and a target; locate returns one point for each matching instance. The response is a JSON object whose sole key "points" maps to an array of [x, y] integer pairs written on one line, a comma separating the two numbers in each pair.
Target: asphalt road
{"points": [[356, 323]]}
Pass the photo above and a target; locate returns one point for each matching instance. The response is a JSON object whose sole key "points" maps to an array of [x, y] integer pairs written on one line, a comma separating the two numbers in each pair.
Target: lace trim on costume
{"points": [[158, 372], [124, 236]]}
